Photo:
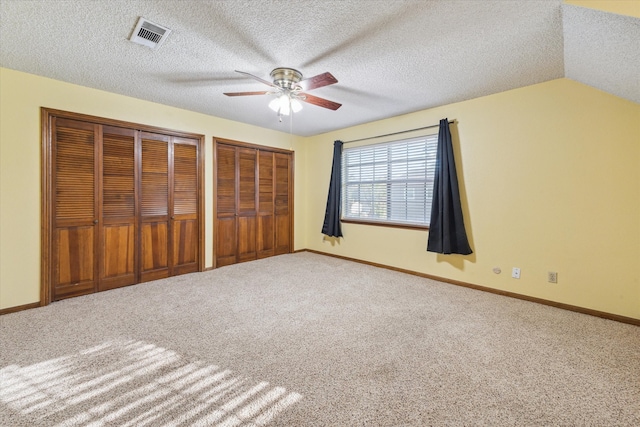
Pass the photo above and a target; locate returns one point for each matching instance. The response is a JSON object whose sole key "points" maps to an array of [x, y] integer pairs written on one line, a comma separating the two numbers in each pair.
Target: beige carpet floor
{"points": [[309, 340]]}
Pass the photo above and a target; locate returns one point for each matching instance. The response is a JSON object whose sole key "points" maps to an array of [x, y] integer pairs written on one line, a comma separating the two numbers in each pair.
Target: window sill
{"points": [[385, 224]]}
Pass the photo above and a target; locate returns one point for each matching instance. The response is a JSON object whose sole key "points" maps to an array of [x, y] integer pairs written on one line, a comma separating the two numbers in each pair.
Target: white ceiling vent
{"points": [[149, 34]]}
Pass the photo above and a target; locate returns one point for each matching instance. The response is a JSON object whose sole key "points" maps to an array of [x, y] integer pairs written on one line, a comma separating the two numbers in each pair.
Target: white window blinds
{"points": [[390, 182]]}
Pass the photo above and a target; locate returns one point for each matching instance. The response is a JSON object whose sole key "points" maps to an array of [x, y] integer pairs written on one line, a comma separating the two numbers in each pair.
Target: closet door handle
{"points": [[173, 217], [95, 221]]}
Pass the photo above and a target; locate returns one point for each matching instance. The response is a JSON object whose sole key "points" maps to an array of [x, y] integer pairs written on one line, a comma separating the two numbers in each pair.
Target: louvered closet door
{"points": [[184, 215], [247, 206], [75, 208], [253, 203], [266, 219], [154, 207], [283, 189], [226, 232], [118, 224]]}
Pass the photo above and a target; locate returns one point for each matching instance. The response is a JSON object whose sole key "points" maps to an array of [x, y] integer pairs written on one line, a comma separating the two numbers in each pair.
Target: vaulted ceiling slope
{"points": [[390, 57]]}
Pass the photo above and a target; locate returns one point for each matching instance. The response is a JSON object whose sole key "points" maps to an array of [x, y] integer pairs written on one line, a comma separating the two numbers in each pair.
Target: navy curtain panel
{"points": [[331, 225], [446, 228]]}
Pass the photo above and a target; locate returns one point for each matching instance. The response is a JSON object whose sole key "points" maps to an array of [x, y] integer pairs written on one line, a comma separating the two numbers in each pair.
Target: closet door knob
{"points": [[95, 221]]}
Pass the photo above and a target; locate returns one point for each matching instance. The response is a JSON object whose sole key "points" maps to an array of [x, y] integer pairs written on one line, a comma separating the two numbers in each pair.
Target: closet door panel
{"points": [[185, 179], [155, 178], [266, 231], [247, 206], [75, 261], [185, 207], [118, 254], [117, 267], [118, 173], [282, 234], [155, 242], [225, 180], [226, 241], [247, 238], [266, 236], [75, 208], [185, 246], [282, 209], [75, 170], [247, 181], [226, 225], [154, 207]]}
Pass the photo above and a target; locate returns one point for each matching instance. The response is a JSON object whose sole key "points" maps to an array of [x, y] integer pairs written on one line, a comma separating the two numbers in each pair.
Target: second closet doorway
{"points": [[254, 202]]}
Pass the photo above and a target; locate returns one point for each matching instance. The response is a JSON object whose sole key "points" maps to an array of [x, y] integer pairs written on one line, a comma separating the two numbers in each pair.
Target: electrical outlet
{"points": [[552, 277], [515, 273]]}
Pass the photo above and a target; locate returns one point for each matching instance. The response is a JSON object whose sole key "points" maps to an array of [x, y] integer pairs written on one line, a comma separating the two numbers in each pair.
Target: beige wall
{"points": [[550, 181], [621, 7], [22, 95]]}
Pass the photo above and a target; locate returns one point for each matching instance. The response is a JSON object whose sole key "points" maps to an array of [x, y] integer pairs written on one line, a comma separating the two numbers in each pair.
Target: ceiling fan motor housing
{"points": [[286, 78]]}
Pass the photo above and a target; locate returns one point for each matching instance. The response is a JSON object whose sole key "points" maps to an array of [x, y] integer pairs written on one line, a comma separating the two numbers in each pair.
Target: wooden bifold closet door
{"points": [[75, 214], [169, 206], [118, 225], [120, 206], [253, 186]]}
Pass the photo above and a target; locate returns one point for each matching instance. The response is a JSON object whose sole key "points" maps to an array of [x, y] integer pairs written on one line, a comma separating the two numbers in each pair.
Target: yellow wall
{"points": [[22, 95], [550, 182], [621, 7]]}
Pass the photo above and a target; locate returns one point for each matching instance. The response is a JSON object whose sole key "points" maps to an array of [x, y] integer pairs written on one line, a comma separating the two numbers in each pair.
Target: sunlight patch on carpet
{"points": [[133, 383]]}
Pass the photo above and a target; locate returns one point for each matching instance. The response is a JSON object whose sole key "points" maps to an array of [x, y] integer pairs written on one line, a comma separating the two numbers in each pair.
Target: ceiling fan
{"points": [[288, 87]]}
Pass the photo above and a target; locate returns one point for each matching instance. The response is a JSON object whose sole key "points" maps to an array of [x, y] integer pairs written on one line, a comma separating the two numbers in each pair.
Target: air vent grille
{"points": [[149, 34]]}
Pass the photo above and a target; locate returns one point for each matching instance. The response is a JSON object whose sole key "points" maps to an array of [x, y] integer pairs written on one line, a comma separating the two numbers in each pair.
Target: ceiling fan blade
{"points": [[324, 79], [257, 78], [246, 93], [320, 102]]}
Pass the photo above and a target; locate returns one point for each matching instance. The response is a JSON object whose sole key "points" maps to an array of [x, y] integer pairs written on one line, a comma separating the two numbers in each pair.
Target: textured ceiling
{"points": [[603, 50], [390, 57]]}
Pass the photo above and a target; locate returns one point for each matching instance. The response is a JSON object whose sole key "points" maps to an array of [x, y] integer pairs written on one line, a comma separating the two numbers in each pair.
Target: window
{"points": [[389, 183]]}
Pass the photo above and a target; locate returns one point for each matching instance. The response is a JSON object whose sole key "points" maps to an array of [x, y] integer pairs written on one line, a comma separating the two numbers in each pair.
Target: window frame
{"points": [[429, 157]]}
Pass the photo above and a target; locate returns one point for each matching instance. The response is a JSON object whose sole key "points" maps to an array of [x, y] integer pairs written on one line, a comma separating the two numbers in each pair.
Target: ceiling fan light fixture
{"points": [[280, 105], [275, 104], [284, 104], [296, 105]]}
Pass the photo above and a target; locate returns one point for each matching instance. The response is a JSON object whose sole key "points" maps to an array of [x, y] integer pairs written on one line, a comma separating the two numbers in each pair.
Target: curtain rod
{"points": [[395, 133]]}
